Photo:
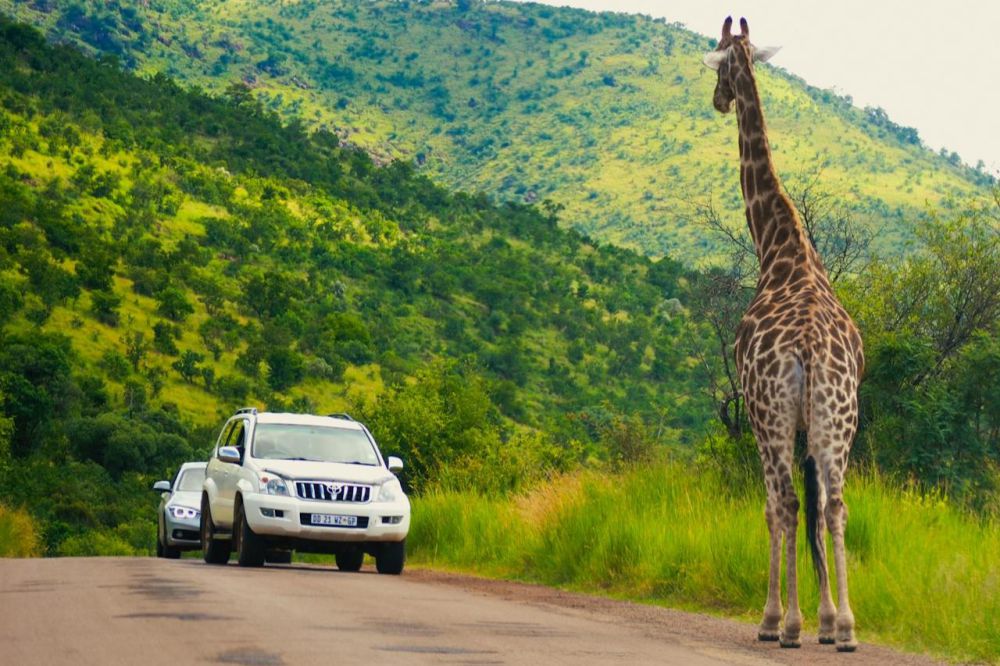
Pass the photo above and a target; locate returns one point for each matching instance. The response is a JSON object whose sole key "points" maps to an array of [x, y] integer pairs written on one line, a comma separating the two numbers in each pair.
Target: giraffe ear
{"points": [[764, 53], [713, 59]]}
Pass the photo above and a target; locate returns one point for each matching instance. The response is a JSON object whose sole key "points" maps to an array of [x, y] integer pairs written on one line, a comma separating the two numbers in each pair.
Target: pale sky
{"points": [[934, 66]]}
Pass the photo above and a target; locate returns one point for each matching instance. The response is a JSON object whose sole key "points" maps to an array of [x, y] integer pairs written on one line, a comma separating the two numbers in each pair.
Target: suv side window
{"points": [[223, 437], [237, 437]]}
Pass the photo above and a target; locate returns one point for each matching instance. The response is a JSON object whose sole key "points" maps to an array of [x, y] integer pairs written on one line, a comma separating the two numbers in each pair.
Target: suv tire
{"points": [[251, 549], [215, 551], [390, 557], [350, 559]]}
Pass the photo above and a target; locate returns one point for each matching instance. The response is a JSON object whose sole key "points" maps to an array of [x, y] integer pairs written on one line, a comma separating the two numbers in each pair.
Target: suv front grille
{"points": [[331, 491]]}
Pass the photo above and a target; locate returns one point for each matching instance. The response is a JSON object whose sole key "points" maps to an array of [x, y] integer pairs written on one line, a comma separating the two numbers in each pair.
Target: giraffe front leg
{"points": [[793, 617], [769, 626]]}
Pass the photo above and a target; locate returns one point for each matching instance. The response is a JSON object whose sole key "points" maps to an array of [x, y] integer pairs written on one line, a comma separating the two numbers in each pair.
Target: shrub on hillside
{"points": [[446, 415], [19, 537]]}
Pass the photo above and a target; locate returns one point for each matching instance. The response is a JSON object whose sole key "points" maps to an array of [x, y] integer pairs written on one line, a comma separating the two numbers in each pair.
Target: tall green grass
{"points": [[18, 535], [925, 575]]}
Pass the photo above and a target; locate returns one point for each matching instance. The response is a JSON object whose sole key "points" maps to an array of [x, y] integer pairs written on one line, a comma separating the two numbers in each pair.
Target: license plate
{"points": [[339, 521]]}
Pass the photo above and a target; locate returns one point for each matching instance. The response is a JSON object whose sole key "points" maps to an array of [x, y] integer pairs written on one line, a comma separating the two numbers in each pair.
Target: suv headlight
{"points": [[183, 512], [270, 484], [390, 491]]}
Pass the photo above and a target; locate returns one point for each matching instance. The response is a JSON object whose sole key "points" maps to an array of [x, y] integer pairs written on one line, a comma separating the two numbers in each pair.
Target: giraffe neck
{"points": [[773, 221]]}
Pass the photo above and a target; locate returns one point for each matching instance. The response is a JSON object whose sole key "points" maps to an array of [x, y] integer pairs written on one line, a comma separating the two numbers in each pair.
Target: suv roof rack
{"points": [[341, 415], [246, 410]]}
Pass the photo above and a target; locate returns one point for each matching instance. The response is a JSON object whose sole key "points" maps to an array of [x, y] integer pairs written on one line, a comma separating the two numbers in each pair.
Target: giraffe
{"points": [[799, 359]]}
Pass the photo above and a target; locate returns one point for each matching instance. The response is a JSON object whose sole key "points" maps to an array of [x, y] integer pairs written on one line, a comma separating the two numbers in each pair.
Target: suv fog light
{"points": [[272, 513], [392, 520]]}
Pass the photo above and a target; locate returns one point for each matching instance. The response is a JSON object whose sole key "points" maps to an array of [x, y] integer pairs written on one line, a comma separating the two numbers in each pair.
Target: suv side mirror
{"points": [[162, 486], [394, 464], [229, 454]]}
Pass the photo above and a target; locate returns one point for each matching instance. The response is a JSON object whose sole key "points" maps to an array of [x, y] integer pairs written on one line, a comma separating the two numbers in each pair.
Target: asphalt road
{"points": [[147, 611]]}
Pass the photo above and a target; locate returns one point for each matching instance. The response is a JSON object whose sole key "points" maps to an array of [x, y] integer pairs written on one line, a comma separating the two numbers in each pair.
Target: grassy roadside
{"points": [[925, 576], [18, 535]]}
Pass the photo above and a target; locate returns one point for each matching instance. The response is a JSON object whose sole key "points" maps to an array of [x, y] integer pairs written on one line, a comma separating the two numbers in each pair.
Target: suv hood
{"points": [[304, 469]]}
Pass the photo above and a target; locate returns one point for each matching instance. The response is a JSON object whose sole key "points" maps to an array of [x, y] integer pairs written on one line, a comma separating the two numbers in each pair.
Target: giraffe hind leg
{"points": [[829, 443], [782, 520], [770, 625], [836, 519], [793, 616], [815, 498]]}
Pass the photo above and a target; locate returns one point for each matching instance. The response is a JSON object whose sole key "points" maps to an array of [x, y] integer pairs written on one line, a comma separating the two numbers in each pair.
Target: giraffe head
{"points": [[733, 53]]}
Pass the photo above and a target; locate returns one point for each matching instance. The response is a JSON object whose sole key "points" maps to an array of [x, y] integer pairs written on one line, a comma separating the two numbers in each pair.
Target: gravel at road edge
{"points": [[694, 628]]}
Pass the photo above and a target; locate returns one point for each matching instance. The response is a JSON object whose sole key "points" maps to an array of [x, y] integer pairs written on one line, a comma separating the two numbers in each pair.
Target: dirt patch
{"points": [[162, 589], [432, 649], [184, 617], [250, 657]]}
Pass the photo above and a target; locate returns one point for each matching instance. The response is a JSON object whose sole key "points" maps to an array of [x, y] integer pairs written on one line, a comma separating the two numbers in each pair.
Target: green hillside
{"points": [[607, 114], [166, 257]]}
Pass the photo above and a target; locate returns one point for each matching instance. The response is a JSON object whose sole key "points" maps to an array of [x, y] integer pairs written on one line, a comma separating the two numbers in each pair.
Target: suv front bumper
{"points": [[284, 516]]}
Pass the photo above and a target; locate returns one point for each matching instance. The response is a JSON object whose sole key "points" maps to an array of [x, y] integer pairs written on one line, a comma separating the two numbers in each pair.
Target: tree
{"points": [[944, 293], [837, 235], [135, 347], [104, 305], [36, 386], [173, 304], [187, 365], [164, 336], [11, 298], [723, 293], [930, 321], [285, 368], [446, 414]]}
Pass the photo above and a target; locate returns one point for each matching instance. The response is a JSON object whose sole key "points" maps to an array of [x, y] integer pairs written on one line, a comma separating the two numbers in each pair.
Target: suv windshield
{"points": [[281, 441], [191, 480]]}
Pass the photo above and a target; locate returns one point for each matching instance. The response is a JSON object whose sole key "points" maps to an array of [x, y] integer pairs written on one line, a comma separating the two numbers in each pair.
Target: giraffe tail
{"points": [[813, 526]]}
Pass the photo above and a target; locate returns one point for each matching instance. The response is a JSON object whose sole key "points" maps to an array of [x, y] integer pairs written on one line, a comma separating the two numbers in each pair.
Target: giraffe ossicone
{"points": [[799, 357]]}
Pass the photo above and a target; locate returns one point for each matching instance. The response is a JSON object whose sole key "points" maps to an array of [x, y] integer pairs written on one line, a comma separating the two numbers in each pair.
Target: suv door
{"points": [[229, 473], [215, 472]]}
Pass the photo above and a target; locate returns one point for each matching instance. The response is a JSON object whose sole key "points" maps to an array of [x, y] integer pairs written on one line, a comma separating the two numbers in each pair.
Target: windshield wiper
{"points": [[304, 459], [358, 462]]}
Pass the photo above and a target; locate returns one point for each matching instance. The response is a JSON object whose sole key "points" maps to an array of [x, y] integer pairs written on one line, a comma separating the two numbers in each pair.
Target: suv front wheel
{"points": [[215, 551], [390, 557], [251, 549], [350, 559]]}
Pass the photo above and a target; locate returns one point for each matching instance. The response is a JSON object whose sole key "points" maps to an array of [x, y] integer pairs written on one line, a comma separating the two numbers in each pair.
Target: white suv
{"points": [[282, 482]]}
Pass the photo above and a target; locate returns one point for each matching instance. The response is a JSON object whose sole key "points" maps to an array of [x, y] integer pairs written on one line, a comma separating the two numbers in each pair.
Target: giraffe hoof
{"points": [[827, 640], [790, 643], [847, 646], [768, 636]]}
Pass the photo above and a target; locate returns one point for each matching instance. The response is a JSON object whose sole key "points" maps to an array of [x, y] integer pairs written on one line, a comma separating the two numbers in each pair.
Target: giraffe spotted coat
{"points": [[799, 358]]}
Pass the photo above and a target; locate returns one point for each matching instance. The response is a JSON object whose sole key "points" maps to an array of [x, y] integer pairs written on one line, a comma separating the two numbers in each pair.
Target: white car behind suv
{"points": [[282, 482], [177, 521]]}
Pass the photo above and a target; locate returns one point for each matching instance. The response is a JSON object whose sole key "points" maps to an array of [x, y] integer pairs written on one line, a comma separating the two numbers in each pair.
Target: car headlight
{"points": [[270, 484], [183, 512], [390, 491]]}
